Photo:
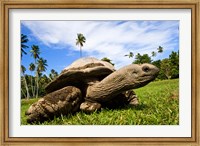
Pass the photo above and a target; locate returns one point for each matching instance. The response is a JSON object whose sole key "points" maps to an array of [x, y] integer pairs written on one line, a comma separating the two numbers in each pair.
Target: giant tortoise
{"points": [[89, 84]]}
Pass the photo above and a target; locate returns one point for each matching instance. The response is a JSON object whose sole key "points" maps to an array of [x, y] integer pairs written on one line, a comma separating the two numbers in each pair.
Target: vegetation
{"points": [[53, 74], [139, 59], [23, 80], [169, 67], [160, 49], [107, 60], [130, 55], [33, 85], [79, 41], [24, 40], [159, 105]]}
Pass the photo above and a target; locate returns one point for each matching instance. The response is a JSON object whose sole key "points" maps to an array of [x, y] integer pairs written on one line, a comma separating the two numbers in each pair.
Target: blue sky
{"points": [[112, 39]]}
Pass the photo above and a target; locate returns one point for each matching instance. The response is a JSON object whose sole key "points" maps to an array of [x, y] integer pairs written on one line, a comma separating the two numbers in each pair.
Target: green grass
{"points": [[159, 105]]}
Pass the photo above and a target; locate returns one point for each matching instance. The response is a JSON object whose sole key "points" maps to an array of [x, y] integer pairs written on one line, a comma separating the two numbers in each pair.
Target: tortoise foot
{"points": [[90, 107], [134, 102], [131, 98]]}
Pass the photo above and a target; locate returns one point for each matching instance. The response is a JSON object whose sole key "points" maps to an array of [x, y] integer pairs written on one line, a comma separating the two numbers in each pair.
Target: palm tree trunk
{"points": [[23, 92], [36, 82], [26, 86], [32, 86], [37, 86]]}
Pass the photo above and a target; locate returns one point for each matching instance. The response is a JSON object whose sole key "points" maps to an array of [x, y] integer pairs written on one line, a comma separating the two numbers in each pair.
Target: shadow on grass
{"points": [[141, 106]]}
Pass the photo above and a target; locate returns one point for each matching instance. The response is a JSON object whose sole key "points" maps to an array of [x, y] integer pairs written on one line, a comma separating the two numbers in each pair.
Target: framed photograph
{"points": [[105, 72]]}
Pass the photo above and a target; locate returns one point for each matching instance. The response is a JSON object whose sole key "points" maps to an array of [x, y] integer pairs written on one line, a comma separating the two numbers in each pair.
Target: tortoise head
{"points": [[139, 75]]}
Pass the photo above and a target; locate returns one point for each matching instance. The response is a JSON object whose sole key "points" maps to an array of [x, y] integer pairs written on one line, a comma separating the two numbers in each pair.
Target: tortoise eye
{"points": [[145, 68]]}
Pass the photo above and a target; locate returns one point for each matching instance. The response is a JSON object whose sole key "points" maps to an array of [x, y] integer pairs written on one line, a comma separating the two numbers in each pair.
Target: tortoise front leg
{"points": [[61, 102], [131, 97], [125, 98]]}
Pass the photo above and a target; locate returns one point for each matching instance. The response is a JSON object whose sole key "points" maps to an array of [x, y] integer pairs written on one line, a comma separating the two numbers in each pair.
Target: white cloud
{"points": [[112, 39]]}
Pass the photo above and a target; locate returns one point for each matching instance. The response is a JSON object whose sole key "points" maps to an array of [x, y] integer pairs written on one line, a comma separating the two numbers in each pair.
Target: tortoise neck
{"points": [[109, 87]]}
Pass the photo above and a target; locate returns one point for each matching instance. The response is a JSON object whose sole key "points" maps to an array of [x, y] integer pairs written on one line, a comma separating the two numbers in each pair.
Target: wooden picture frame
{"points": [[193, 5]]}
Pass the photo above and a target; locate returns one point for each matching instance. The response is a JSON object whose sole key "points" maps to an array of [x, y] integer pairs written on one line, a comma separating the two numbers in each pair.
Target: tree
{"points": [[157, 63], [35, 52], [174, 57], [160, 49], [139, 59], [32, 68], [44, 80], [79, 41], [161, 74], [169, 67], [153, 53], [41, 67], [24, 40], [42, 64], [130, 55], [107, 60], [23, 69], [174, 62], [166, 68], [53, 74]]}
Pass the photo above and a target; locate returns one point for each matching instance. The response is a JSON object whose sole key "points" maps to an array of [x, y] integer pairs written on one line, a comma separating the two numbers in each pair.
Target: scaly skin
{"points": [[129, 77], [125, 98], [64, 101]]}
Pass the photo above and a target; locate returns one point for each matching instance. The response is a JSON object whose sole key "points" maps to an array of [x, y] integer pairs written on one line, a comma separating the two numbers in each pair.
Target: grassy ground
{"points": [[159, 105]]}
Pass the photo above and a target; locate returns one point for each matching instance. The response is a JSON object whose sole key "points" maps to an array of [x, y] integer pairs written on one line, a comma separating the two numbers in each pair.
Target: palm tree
{"points": [[130, 55], [79, 41], [41, 66], [44, 80], [107, 60], [160, 49], [23, 69], [24, 40], [153, 54], [35, 52], [32, 68], [53, 74]]}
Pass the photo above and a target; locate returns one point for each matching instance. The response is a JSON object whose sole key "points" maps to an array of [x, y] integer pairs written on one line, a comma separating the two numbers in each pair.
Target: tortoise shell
{"points": [[80, 73]]}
